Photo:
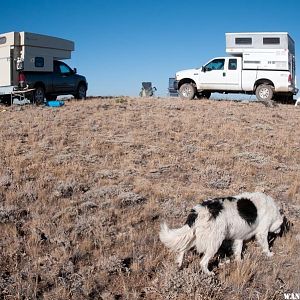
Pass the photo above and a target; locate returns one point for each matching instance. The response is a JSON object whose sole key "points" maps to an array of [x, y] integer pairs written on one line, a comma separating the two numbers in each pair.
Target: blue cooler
{"points": [[55, 103]]}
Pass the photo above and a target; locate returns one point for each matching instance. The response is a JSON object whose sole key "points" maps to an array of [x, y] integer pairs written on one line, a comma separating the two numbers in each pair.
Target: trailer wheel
{"points": [[39, 95], [81, 91], [264, 92], [187, 91]]}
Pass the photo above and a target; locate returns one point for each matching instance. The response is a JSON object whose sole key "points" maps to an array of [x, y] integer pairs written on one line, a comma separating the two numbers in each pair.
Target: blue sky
{"points": [[119, 44]]}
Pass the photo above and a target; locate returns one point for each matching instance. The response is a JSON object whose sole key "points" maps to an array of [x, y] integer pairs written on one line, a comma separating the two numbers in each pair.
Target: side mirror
{"points": [[203, 69], [75, 71]]}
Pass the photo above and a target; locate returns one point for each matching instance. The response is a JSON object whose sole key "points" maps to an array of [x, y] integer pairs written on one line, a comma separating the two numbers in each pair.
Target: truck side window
{"points": [[232, 64], [216, 64]]}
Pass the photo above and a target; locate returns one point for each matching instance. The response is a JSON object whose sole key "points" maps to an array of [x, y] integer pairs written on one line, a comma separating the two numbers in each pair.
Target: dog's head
{"points": [[279, 228], [277, 223]]}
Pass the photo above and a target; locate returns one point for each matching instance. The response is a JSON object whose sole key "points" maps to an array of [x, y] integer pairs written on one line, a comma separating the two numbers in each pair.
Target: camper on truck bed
{"points": [[261, 63], [33, 61]]}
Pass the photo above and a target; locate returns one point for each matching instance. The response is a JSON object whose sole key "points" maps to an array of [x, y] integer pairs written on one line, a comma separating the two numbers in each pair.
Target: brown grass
{"points": [[83, 189]]}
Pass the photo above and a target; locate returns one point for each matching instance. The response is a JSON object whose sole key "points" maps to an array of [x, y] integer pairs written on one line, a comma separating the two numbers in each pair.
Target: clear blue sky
{"points": [[119, 44]]}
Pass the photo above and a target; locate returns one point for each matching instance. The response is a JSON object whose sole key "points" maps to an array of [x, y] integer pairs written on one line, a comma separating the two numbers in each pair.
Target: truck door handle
{"points": [[224, 74]]}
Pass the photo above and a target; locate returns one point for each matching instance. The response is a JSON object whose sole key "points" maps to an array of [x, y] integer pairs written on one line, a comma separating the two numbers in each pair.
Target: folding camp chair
{"points": [[147, 89]]}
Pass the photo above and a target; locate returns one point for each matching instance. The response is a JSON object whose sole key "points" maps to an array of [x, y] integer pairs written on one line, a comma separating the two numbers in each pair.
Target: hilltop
{"points": [[84, 188]]}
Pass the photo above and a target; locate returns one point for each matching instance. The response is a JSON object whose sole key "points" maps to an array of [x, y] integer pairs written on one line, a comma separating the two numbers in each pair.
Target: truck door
{"points": [[63, 80], [233, 74], [213, 75], [5, 66]]}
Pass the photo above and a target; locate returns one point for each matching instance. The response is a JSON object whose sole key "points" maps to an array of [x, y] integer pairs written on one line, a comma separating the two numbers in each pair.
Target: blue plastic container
{"points": [[55, 103]]}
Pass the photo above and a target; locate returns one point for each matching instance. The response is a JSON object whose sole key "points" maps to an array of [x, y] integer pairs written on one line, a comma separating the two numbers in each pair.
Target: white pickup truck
{"points": [[260, 63]]}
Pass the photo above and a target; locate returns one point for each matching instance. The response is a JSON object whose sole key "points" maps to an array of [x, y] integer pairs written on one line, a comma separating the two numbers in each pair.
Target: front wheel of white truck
{"points": [[264, 92], [187, 91]]}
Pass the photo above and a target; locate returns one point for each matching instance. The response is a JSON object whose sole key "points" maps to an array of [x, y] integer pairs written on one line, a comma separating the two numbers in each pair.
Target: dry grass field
{"points": [[84, 188]]}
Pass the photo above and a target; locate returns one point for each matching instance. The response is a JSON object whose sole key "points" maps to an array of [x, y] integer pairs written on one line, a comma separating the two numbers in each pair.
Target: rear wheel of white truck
{"points": [[187, 91], [264, 92]]}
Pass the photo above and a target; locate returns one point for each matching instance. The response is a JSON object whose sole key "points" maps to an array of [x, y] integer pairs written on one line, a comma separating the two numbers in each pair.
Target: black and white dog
{"points": [[235, 218]]}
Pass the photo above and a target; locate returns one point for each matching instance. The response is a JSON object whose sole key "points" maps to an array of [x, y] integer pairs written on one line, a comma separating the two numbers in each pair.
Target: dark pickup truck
{"points": [[62, 81]]}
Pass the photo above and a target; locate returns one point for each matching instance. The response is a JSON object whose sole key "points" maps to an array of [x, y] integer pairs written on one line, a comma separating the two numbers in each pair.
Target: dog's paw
{"points": [[179, 268], [224, 262], [270, 254], [209, 273]]}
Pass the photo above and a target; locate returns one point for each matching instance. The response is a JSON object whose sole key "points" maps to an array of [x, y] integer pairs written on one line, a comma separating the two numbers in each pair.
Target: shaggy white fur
{"points": [[235, 218]]}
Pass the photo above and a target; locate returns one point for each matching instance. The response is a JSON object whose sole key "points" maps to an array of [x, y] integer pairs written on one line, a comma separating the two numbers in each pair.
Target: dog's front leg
{"points": [[179, 258], [237, 249], [205, 260], [262, 239]]}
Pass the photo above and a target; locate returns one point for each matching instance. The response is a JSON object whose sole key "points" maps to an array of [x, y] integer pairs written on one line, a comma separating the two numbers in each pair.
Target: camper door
{"points": [[5, 66]]}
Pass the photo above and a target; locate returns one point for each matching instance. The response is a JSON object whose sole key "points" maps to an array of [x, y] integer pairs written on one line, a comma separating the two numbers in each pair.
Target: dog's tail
{"points": [[177, 240]]}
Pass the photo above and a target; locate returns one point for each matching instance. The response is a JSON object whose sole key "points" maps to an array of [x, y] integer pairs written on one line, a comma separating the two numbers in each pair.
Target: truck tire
{"points": [[39, 95], [264, 92], [187, 91], [81, 91]]}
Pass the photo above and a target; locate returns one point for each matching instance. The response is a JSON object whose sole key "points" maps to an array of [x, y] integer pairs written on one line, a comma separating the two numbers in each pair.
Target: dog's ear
{"points": [[285, 226]]}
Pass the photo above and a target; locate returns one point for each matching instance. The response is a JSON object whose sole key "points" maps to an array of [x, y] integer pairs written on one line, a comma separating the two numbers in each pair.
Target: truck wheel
{"points": [[187, 91], [264, 92], [39, 95], [81, 92]]}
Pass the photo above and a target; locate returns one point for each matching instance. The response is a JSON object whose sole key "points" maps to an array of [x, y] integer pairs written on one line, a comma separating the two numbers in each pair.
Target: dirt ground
{"points": [[84, 188]]}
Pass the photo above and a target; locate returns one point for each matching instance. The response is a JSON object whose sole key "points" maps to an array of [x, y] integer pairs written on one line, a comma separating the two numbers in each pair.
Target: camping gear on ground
{"points": [[147, 89], [55, 103]]}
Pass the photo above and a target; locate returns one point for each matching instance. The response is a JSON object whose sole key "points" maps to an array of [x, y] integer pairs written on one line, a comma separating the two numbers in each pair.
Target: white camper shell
{"points": [[263, 50], [29, 52]]}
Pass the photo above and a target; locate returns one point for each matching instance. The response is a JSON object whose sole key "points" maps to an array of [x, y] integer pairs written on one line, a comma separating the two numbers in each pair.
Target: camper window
{"points": [[2, 40], [271, 41], [39, 62], [243, 41]]}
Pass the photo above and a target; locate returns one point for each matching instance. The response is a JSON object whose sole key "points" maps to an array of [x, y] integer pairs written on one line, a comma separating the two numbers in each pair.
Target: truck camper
{"points": [[32, 62], [260, 63]]}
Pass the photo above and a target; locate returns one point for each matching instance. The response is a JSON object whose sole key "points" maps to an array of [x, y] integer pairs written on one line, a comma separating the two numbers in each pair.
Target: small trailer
{"points": [[31, 55]]}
